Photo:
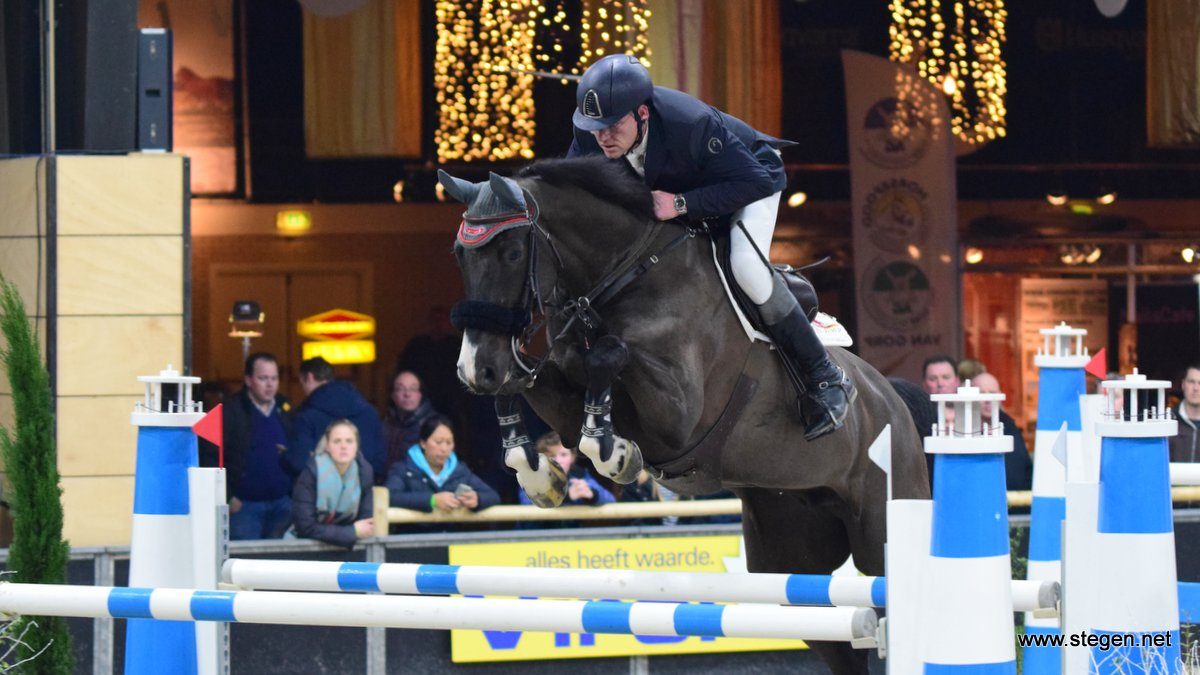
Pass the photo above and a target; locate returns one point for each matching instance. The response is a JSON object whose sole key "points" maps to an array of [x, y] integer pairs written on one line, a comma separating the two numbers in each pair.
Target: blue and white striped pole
{"points": [[1061, 361], [968, 612], [838, 624], [417, 579], [1134, 545], [161, 545]]}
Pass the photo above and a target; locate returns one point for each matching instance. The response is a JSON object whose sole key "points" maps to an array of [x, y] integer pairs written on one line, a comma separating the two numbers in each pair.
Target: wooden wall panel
{"points": [[131, 194], [22, 180], [120, 275], [97, 511], [95, 437], [103, 355]]}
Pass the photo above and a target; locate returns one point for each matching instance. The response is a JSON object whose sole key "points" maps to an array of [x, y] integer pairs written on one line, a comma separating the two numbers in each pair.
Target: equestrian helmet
{"points": [[610, 89]]}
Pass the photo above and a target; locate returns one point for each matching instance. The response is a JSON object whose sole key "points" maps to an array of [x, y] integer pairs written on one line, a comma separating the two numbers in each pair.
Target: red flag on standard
{"points": [[1098, 366], [210, 429]]}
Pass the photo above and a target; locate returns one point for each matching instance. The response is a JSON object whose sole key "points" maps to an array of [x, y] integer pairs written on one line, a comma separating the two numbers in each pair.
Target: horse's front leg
{"points": [[618, 458], [540, 477]]}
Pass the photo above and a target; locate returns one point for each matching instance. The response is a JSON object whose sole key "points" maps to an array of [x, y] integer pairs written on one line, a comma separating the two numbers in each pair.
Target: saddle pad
{"points": [[827, 327]]}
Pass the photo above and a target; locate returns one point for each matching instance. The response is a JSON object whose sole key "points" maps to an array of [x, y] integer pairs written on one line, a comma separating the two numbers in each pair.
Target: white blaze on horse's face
{"points": [[466, 361]]}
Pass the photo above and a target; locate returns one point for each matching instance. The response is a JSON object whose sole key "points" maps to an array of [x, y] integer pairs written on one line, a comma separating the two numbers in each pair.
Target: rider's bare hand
{"points": [[664, 205]]}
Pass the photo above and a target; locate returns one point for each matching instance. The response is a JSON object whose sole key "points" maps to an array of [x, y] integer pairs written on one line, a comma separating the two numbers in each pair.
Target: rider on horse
{"points": [[702, 163]]}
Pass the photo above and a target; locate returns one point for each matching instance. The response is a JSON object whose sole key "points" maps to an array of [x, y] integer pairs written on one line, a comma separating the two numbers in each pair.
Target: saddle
{"points": [[831, 332]]}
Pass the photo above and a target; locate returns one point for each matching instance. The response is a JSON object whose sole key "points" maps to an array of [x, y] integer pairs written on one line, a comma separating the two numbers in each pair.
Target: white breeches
{"points": [[752, 275]]}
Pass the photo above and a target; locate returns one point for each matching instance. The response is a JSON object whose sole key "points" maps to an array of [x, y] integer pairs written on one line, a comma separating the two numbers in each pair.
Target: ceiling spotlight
{"points": [[973, 256], [1188, 254], [398, 191], [1056, 197], [1107, 198], [797, 198], [914, 252], [1093, 255], [439, 191]]}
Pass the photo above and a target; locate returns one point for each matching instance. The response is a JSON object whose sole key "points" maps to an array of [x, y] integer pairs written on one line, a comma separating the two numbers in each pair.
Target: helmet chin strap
{"points": [[641, 133]]}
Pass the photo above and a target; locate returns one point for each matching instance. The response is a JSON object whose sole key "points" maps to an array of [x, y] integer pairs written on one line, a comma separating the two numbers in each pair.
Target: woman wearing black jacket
{"points": [[431, 477], [332, 500]]}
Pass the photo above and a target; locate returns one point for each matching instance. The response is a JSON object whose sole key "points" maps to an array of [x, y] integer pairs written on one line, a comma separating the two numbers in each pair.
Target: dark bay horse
{"points": [[676, 378]]}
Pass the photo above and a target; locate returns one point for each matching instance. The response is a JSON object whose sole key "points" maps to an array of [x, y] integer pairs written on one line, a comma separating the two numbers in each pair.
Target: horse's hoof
{"points": [[547, 486], [630, 464]]}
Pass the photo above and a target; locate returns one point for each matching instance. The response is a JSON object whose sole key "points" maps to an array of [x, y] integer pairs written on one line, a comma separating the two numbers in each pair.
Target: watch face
{"points": [[680, 203]]}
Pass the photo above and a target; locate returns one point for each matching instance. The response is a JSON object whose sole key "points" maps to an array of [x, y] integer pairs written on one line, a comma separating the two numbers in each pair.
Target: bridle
{"points": [[579, 315]]}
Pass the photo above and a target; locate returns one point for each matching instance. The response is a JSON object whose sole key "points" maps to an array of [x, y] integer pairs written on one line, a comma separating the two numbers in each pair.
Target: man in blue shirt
{"points": [[701, 163], [256, 427]]}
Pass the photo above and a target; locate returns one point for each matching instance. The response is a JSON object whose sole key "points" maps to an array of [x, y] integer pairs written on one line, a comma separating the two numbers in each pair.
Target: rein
{"points": [[579, 315]]}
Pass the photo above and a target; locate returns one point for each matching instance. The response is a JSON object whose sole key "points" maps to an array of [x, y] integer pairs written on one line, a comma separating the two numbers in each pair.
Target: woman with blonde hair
{"points": [[332, 500]]}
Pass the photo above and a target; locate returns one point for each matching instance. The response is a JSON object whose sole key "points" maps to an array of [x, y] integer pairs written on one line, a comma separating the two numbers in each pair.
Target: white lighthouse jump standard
{"points": [[844, 624], [161, 545], [1060, 361], [968, 607], [1134, 541]]}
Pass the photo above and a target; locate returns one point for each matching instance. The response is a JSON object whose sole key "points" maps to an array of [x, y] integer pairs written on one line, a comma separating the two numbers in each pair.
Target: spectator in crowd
{"points": [[256, 424], [582, 488], [969, 368], [433, 357], [644, 489], [1018, 466], [326, 400], [332, 501], [940, 375], [431, 477], [923, 410], [1184, 446], [407, 410]]}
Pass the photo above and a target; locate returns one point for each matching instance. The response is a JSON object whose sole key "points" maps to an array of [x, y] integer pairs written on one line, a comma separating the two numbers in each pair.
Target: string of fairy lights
{"points": [[484, 47], [956, 45]]}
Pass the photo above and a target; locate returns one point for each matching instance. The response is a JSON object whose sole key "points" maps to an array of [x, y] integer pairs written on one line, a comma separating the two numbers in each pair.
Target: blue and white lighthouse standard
{"points": [[1134, 545], [161, 547], [1061, 360], [969, 608]]}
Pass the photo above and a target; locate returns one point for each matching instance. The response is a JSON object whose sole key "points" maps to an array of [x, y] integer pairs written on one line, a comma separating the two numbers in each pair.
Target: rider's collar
{"points": [[475, 231], [637, 154]]}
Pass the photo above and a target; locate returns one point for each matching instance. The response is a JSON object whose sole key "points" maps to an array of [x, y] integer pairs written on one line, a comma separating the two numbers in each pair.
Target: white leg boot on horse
{"points": [[618, 459], [825, 391], [542, 479]]}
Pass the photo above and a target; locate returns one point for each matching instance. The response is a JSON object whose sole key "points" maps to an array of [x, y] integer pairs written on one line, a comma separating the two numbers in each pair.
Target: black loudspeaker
{"points": [[154, 90], [96, 75]]}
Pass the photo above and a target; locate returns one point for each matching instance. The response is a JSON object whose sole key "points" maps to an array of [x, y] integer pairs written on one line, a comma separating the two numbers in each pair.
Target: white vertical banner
{"points": [[903, 200]]}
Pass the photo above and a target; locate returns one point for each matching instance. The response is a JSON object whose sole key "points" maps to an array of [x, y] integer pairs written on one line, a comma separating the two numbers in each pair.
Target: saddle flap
{"points": [[831, 332]]}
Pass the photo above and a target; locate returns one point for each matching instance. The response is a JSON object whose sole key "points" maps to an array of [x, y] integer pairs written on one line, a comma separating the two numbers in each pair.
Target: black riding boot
{"points": [[826, 392]]}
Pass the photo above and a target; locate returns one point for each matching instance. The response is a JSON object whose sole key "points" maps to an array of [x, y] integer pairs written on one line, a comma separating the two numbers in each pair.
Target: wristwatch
{"points": [[680, 205]]}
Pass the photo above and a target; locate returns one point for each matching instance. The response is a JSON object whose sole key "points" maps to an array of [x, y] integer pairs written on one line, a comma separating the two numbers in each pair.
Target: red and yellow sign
{"points": [[340, 336]]}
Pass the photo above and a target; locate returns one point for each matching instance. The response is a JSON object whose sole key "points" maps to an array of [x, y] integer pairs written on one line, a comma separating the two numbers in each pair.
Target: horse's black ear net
{"points": [[489, 317]]}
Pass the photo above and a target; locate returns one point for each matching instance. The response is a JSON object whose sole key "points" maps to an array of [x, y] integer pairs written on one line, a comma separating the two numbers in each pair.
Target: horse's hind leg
{"points": [[784, 534], [617, 458]]}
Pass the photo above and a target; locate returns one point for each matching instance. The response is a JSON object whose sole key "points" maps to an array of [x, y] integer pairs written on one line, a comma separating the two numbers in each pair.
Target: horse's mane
{"points": [[611, 180]]}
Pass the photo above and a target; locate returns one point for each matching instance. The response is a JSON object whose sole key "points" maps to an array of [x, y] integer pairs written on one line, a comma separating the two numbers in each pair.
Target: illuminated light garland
{"points": [[486, 111], [956, 45], [622, 27]]}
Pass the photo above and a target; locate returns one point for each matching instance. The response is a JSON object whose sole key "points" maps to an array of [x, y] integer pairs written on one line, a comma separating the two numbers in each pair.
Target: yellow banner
{"points": [[667, 554], [340, 351]]}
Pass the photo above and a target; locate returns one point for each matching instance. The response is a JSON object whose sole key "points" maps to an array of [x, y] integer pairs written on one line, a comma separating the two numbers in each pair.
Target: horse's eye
{"points": [[515, 255]]}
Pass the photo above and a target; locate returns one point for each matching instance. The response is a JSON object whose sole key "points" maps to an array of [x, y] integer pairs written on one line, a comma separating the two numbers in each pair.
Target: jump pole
{"points": [[840, 624], [415, 579]]}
